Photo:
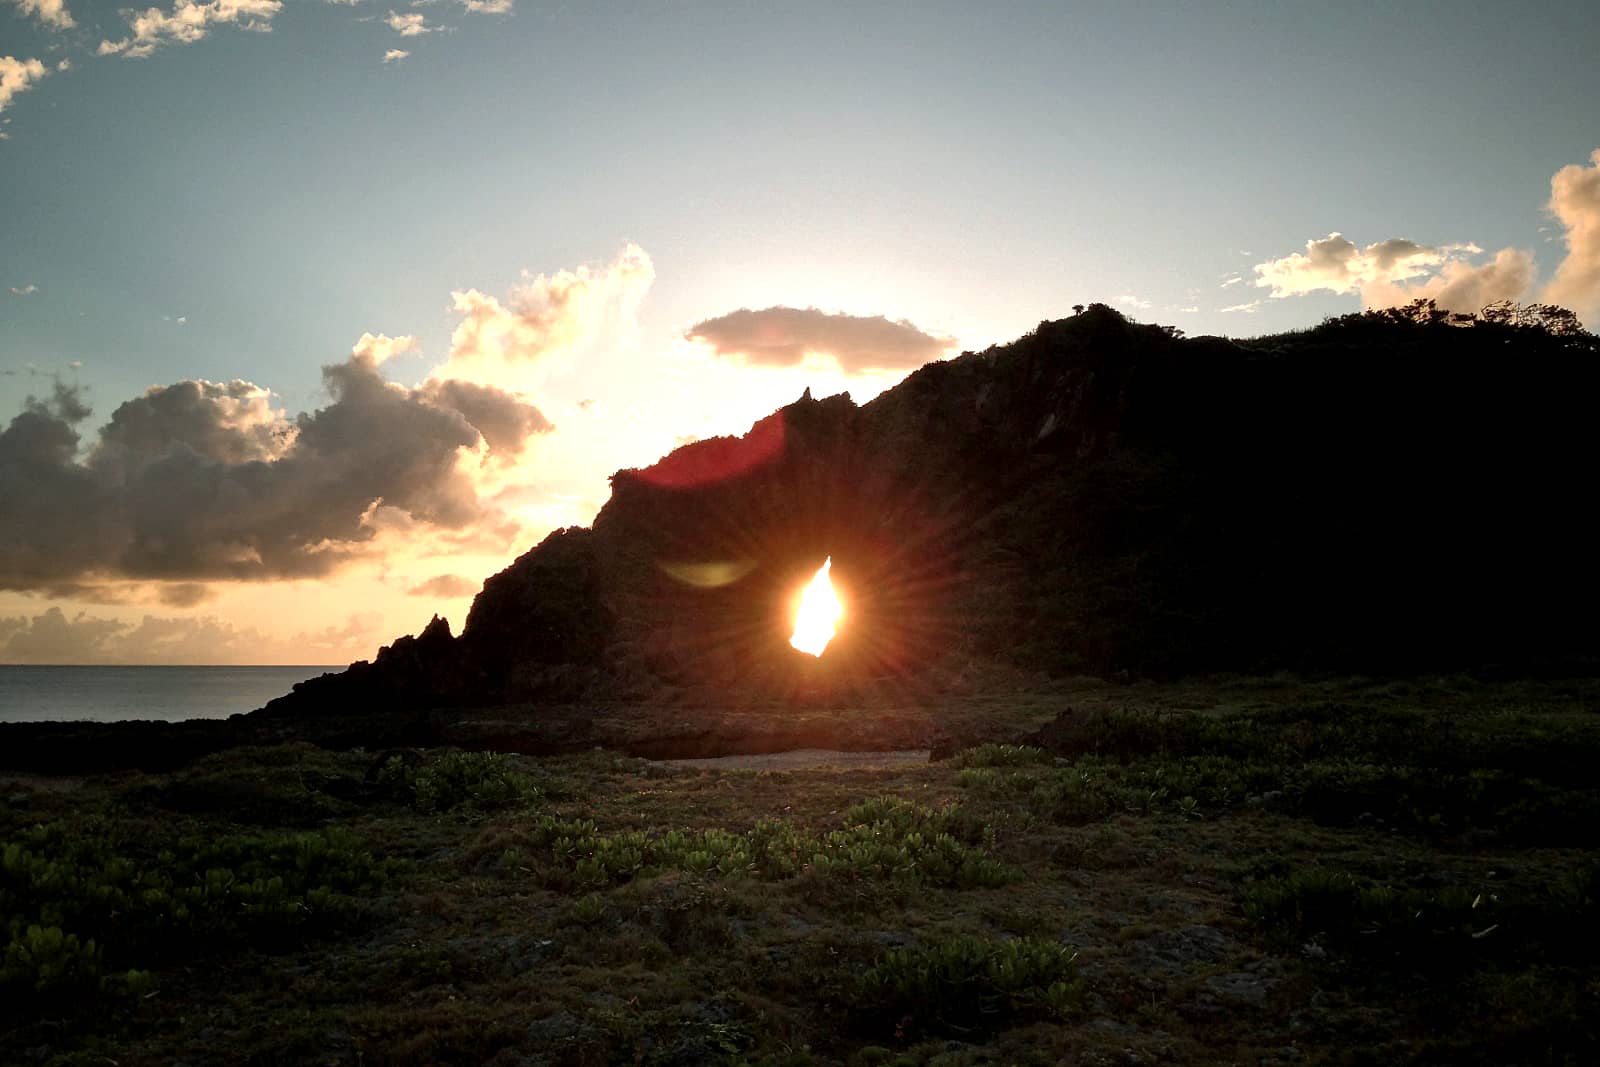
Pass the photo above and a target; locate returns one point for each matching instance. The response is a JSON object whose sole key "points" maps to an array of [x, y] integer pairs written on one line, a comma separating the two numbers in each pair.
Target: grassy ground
{"points": [[1252, 871]]}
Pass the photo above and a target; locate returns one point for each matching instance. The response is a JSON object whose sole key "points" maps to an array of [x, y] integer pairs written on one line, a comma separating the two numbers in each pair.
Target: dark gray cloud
{"points": [[199, 480], [783, 336], [505, 422]]}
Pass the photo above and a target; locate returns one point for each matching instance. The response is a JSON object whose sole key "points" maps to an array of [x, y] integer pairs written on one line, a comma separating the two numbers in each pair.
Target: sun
{"points": [[816, 619]]}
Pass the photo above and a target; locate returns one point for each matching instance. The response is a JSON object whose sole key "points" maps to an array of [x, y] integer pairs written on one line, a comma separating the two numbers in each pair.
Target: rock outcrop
{"points": [[1374, 495]]}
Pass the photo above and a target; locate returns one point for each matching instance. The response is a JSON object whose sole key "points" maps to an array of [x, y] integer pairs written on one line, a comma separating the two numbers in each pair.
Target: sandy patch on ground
{"points": [[802, 758]]}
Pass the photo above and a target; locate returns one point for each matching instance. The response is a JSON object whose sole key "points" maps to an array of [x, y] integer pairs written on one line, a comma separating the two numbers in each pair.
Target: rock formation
{"points": [[1377, 494]]}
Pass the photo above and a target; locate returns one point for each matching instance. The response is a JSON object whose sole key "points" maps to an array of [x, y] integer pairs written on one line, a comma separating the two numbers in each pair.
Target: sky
{"points": [[315, 313]]}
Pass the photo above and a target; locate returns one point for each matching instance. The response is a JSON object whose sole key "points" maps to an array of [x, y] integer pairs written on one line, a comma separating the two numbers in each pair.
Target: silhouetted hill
{"points": [[1384, 493]]}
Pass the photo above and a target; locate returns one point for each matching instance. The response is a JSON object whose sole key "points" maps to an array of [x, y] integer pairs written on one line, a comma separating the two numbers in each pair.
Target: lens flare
{"points": [[818, 614]]}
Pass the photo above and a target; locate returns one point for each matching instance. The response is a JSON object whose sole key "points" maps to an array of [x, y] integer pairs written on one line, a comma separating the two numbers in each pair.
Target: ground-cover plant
{"points": [[1339, 765], [81, 908], [883, 839], [999, 755], [966, 983], [1436, 928], [479, 781]]}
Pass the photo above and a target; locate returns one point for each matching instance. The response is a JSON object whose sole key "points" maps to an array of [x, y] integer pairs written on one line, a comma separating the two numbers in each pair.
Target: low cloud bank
{"points": [[54, 637]]}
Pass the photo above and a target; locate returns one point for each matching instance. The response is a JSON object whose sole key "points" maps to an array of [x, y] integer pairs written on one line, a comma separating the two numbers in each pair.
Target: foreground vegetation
{"points": [[1248, 871]]}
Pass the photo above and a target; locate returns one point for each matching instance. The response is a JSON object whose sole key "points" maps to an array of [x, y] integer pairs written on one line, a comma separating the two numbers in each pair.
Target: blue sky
{"points": [[248, 204]]}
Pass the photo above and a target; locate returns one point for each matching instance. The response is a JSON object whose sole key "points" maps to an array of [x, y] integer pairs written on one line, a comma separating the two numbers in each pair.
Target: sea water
{"points": [[107, 694]]}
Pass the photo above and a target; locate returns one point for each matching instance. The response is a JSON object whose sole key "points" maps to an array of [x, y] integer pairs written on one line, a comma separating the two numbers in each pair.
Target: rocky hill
{"points": [[1388, 492]]}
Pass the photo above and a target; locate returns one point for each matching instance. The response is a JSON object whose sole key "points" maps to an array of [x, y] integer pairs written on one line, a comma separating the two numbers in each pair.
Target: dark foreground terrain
{"points": [[1245, 870]]}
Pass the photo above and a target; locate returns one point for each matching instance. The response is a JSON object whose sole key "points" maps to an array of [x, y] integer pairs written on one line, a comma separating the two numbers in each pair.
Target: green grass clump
{"points": [[479, 781], [965, 983]]}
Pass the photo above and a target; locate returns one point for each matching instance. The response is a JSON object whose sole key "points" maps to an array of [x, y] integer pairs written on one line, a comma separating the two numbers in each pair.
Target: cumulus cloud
{"points": [[1462, 286], [1129, 300], [24, 290], [1575, 202], [487, 7], [201, 481], [395, 55], [543, 316], [54, 637], [785, 336], [412, 24], [1338, 265], [188, 21], [506, 421], [17, 76], [445, 587], [1398, 271], [51, 13], [380, 348]]}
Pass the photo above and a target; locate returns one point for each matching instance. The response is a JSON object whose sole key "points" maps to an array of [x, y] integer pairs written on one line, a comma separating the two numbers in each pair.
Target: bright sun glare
{"points": [[819, 612]]}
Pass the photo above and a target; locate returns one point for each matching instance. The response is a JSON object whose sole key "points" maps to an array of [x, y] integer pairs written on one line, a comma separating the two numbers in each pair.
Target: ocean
{"points": [[107, 694]]}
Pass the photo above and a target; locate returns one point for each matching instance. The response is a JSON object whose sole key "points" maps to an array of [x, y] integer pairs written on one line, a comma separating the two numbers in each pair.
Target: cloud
{"points": [[1398, 271], [395, 55], [784, 336], [546, 315], [200, 481], [1232, 279], [1129, 300], [1575, 202], [445, 587], [506, 422], [25, 290], [17, 76], [1337, 265], [1245, 309], [414, 24], [183, 594], [1462, 286], [51, 13], [380, 348], [487, 7], [53, 637], [188, 22]]}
